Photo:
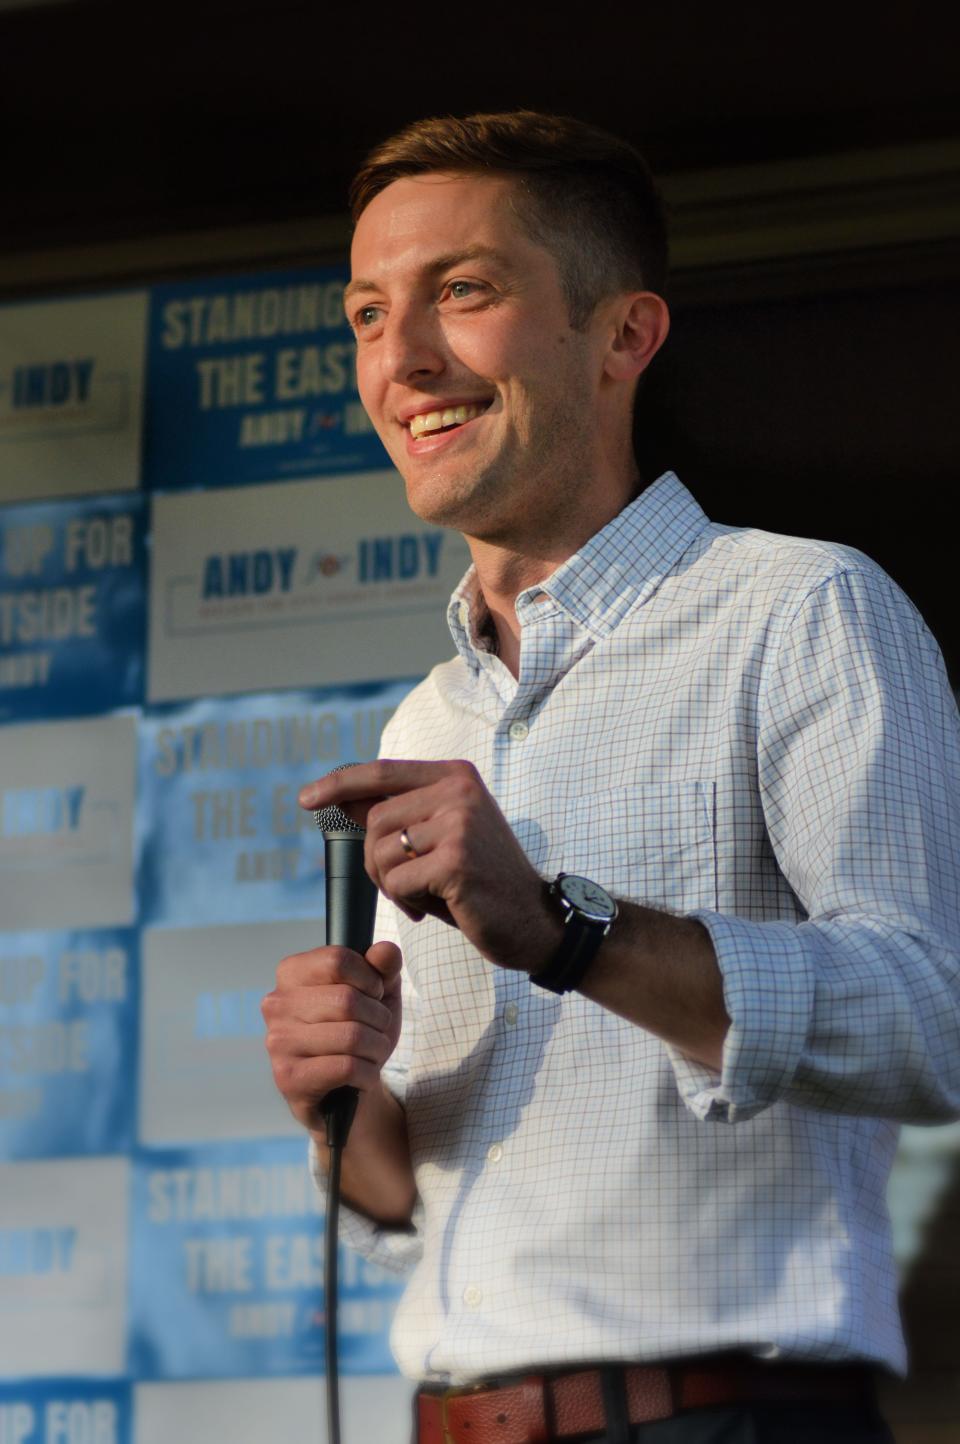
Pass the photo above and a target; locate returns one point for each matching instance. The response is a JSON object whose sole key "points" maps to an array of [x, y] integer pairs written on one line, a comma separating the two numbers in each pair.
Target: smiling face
{"points": [[486, 399]]}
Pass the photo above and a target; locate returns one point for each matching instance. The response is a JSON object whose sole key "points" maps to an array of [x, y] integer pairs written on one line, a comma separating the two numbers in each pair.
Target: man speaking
{"points": [[669, 855]]}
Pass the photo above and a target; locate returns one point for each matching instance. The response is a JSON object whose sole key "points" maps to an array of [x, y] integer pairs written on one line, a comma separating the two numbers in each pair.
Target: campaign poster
{"points": [[65, 1411], [63, 1267], [252, 377], [204, 1069], [72, 607], [303, 584], [71, 395], [68, 1018], [221, 837], [66, 824], [227, 1263], [374, 1410]]}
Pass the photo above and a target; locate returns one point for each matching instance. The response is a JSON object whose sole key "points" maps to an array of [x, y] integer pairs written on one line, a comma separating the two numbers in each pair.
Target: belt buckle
{"points": [[455, 1392]]}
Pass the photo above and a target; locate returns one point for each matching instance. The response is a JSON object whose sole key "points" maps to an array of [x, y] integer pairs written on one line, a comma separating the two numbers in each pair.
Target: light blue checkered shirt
{"points": [[755, 730]]}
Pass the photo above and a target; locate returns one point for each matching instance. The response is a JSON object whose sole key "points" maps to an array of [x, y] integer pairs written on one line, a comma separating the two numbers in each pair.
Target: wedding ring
{"points": [[407, 845]]}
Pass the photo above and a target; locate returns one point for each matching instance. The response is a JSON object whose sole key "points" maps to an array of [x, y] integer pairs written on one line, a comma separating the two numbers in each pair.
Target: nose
{"points": [[411, 347]]}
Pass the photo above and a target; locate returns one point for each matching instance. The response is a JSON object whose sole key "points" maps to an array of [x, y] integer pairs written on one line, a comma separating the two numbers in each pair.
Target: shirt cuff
{"points": [[768, 991], [396, 1249]]}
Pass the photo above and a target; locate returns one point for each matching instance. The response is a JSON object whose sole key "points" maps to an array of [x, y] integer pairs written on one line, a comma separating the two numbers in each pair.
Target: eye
{"points": [[366, 317], [461, 290]]}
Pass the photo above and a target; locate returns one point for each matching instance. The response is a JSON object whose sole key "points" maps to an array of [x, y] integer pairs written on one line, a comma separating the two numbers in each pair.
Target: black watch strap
{"points": [[576, 952]]}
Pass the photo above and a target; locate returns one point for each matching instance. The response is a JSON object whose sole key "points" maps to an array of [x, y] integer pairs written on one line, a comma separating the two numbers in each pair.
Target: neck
{"points": [[504, 569], [501, 577]]}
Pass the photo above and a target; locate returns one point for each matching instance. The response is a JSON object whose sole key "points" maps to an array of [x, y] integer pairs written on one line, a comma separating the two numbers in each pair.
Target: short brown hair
{"points": [[585, 195]]}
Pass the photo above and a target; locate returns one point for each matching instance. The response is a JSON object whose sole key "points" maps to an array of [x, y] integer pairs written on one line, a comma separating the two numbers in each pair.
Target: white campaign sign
{"points": [[376, 1410], [308, 583], [63, 1267], [204, 1071], [66, 824], [71, 396]]}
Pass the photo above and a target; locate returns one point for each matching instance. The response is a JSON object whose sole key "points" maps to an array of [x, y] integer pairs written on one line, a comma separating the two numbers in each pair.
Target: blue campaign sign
{"points": [[72, 607], [221, 838], [65, 1411], [227, 1260], [68, 1010], [251, 378]]}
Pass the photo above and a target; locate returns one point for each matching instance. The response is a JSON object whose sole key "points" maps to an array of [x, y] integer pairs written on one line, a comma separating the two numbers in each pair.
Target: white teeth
{"points": [[436, 420]]}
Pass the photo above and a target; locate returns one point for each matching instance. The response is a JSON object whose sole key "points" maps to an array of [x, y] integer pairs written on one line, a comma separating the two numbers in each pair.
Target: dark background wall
{"points": [[832, 415]]}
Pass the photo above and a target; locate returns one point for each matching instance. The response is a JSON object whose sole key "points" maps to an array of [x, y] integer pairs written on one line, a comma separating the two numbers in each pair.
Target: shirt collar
{"points": [[620, 566]]}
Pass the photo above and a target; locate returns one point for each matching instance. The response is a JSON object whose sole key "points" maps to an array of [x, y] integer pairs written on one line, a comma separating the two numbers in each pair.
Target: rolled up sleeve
{"points": [[856, 1008]]}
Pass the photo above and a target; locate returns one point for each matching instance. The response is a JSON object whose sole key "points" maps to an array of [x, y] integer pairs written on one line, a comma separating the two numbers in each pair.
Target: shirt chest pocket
{"points": [[652, 843]]}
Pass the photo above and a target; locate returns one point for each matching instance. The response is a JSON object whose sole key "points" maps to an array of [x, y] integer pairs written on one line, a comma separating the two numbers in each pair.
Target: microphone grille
{"points": [[334, 819]]}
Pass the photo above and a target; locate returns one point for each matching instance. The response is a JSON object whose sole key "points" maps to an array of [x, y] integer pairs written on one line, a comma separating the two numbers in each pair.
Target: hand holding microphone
{"points": [[333, 1018]]}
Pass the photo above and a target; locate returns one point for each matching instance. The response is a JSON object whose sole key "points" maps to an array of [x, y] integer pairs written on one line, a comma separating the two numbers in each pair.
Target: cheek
{"points": [[365, 381], [490, 345], [372, 395]]}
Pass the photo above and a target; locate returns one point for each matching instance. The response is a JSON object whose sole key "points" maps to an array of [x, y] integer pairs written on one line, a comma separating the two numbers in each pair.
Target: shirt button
{"points": [[518, 731], [495, 1152], [510, 1014], [472, 1296]]}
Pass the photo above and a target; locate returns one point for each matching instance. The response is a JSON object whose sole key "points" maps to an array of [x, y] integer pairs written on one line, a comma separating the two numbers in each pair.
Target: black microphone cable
{"points": [[351, 904]]}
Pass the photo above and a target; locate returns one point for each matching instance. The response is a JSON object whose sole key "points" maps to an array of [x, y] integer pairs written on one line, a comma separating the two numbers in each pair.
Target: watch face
{"points": [[588, 897]]}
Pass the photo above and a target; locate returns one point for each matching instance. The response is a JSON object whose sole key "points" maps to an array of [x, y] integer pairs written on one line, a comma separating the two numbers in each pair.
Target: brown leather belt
{"points": [[540, 1408]]}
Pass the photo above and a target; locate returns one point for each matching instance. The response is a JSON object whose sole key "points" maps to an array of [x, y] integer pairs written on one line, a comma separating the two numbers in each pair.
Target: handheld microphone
{"points": [[351, 904]]}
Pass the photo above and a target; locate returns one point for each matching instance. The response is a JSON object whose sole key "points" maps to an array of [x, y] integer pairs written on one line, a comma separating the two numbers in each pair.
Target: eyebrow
{"points": [[439, 263]]}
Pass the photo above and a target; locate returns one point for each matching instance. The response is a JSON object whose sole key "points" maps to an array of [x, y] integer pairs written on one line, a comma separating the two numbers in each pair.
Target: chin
{"points": [[433, 499], [439, 512]]}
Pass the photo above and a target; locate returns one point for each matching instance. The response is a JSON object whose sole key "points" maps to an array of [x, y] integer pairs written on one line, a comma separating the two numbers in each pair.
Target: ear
{"points": [[639, 324]]}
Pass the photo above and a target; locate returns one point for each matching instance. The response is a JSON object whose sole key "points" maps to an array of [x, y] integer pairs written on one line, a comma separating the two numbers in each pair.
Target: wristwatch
{"points": [[589, 913]]}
